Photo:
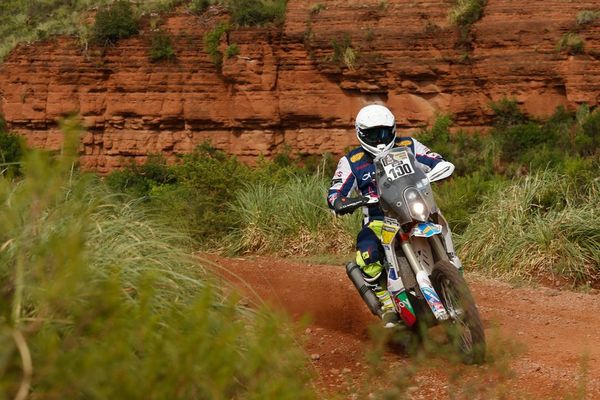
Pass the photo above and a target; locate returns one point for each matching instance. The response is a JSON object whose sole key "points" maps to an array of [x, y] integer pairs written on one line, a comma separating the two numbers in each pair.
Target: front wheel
{"points": [[466, 329]]}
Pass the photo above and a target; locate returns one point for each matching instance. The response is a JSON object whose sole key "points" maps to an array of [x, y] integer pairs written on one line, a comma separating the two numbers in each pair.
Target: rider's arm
{"points": [[424, 155], [342, 183]]}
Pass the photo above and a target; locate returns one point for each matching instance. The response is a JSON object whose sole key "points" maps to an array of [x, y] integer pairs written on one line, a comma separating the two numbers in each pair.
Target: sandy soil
{"points": [[543, 343]]}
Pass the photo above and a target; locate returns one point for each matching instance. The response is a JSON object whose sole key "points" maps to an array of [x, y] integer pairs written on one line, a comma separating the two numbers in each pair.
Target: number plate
{"points": [[397, 165]]}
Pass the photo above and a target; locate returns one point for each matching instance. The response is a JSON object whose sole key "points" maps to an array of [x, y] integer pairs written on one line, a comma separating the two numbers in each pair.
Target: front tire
{"points": [[465, 330]]}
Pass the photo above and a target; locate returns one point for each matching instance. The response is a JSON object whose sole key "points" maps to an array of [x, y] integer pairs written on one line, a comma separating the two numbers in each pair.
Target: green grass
{"points": [[542, 225], [290, 218], [24, 21], [102, 299]]}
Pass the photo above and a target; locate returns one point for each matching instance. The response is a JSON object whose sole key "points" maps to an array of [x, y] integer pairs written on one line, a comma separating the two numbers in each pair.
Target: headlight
{"points": [[416, 204]]}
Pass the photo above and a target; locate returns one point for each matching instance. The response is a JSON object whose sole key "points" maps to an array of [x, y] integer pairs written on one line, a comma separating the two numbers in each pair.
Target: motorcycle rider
{"points": [[376, 133]]}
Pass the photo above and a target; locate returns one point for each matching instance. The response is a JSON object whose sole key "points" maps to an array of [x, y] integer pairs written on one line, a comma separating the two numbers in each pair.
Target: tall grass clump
{"points": [[542, 225], [467, 12], [572, 43], [587, 16], [343, 52], [99, 300], [291, 218]]}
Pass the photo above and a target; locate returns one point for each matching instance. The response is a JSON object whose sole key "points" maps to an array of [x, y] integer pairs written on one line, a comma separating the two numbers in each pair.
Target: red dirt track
{"points": [[549, 338]]}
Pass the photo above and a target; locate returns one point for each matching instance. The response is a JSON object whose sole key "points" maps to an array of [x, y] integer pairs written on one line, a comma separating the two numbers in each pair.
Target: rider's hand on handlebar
{"points": [[347, 205]]}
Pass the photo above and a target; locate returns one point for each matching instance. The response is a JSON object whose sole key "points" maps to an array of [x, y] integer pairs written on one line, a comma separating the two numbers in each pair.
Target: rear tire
{"points": [[465, 329]]}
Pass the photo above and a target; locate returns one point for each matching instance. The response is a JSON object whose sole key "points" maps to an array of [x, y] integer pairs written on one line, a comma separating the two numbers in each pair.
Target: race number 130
{"points": [[398, 170]]}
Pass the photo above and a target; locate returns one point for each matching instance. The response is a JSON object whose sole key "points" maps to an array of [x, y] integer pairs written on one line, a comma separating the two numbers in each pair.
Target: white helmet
{"points": [[375, 128]]}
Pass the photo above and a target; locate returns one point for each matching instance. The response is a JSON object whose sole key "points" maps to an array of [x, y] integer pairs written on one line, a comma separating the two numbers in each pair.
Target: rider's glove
{"points": [[347, 205]]}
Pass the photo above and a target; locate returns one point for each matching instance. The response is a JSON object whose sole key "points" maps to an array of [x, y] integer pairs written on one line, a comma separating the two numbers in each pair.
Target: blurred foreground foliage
{"points": [[100, 299]]}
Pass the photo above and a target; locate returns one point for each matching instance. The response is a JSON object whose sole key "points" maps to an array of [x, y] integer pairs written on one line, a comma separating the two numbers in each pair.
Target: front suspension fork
{"points": [[432, 298]]}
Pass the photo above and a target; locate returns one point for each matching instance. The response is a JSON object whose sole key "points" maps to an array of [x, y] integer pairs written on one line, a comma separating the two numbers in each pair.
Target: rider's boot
{"points": [[388, 312]]}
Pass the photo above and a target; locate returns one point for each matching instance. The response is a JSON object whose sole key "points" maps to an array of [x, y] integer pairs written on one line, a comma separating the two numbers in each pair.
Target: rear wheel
{"points": [[465, 329]]}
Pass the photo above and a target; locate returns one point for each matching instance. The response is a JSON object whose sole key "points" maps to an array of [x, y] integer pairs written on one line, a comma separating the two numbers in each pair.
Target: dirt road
{"points": [[543, 343]]}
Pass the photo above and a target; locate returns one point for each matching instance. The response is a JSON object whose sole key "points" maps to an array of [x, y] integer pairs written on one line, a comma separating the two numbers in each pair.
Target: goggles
{"points": [[377, 135]]}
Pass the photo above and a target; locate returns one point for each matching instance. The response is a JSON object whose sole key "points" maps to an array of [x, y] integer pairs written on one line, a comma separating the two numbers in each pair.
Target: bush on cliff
{"points": [[467, 12], [257, 12], [161, 47], [114, 22], [212, 40]]}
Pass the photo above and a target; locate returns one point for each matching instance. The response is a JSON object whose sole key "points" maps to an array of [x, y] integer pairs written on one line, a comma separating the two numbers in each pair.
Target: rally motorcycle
{"points": [[424, 282]]}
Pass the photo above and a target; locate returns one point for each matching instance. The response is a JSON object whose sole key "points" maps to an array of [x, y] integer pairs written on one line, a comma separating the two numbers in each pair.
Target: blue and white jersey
{"points": [[356, 171]]}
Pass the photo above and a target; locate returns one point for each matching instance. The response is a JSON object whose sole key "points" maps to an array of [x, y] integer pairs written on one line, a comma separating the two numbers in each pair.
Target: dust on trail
{"points": [[549, 338]]}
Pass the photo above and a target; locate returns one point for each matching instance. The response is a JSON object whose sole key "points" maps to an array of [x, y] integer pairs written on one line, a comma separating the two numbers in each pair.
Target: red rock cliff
{"points": [[284, 88]]}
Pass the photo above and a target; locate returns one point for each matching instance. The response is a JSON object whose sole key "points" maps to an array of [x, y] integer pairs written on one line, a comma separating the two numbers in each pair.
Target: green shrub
{"points": [[140, 180], [115, 22], [507, 113], [518, 140], [467, 12], [586, 16], [469, 152], [232, 50], [587, 138], [212, 39], [209, 181], [257, 12], [11, 151], [162, 47], [571, 43]]}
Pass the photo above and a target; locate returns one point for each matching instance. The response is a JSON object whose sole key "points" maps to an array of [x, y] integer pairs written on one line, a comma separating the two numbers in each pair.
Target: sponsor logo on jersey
{"points": [[405, 142], [357, 156], [369, 175]]}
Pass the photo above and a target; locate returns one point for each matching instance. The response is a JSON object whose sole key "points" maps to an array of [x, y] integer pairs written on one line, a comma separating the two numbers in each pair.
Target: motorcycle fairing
{"points": [[396, 171]]}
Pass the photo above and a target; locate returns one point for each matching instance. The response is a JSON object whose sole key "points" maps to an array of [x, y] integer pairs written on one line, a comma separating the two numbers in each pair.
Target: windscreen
{"points": [[397, 170]]}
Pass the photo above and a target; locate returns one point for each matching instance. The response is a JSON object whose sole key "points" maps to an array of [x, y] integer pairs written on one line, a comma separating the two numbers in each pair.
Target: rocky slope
{"points": [[289, 86]]}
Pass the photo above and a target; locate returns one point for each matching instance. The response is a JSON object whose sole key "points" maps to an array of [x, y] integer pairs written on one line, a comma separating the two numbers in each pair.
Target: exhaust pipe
{"points": [[355, 275]]}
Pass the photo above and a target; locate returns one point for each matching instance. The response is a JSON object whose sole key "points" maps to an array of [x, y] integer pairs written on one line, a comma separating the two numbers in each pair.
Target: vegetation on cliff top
{"points": [[29, 21]]}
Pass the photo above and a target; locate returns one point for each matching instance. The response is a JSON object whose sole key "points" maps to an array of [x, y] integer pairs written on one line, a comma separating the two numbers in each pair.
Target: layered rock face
{"points": [[300, 86]]}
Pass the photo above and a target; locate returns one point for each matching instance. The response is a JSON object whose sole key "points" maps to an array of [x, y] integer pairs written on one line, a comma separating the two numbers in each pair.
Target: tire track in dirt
{"points": [[553, 335]]}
